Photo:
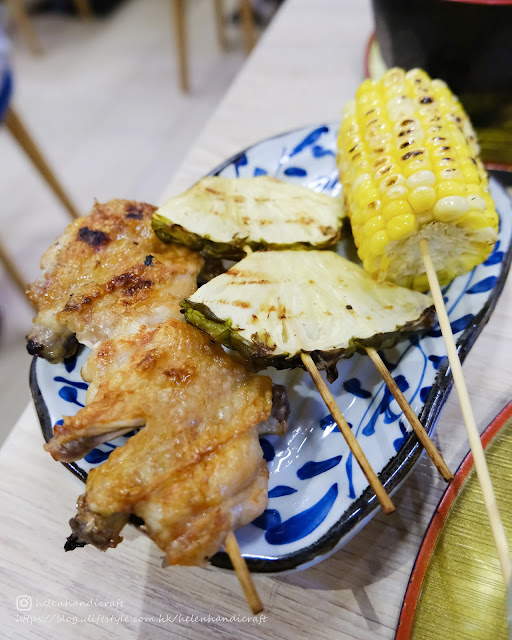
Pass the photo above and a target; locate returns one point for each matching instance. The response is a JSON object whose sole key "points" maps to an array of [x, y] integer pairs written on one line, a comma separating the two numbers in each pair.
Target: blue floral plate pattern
{"points": [[318, 496]]}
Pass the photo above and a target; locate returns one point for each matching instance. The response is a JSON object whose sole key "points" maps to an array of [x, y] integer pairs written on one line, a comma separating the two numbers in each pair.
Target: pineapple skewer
{"points": [[371, 476], [373, 479], [423, 436]]}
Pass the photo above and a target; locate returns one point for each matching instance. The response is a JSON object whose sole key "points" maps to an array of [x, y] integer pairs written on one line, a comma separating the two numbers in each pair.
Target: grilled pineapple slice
{"points": [[274, 305], [221, 216]]}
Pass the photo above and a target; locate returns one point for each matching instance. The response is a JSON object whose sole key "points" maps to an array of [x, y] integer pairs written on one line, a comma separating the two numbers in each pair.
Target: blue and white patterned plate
{"points": [[318, 496]]}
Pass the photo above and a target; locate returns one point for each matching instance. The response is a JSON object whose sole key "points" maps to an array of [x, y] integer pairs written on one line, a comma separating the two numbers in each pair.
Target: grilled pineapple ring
{"points": [[221, 216], [274, 305]]}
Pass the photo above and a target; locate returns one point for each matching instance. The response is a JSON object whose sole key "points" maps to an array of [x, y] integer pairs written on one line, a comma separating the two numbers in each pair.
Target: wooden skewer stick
{"points": [[498, 532], [423, 436], [353, 444], [243, 574]]}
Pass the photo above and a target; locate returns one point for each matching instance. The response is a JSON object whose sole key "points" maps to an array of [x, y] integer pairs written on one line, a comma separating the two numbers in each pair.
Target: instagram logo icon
{"points": [[24, 603]]}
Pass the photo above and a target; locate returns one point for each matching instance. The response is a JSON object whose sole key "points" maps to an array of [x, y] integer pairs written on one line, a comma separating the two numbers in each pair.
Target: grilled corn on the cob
{"points": [[409, 166]]}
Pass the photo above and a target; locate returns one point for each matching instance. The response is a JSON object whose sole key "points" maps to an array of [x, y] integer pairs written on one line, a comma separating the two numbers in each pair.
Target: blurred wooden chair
{"points": [[178, 9], [23, 23], [14, 124]]}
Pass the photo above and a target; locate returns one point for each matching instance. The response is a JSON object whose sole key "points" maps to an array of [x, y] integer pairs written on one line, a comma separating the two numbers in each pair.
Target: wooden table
{"points": [[307, 65]]}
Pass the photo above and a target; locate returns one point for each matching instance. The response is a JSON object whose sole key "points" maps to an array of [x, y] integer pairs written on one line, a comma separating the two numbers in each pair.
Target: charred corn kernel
{"points": [[422, 198], [401, 227], [409, 167]]}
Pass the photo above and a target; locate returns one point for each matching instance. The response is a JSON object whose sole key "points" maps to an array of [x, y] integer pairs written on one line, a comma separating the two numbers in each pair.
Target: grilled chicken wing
{"points": [[195, 471], [107, 273]]}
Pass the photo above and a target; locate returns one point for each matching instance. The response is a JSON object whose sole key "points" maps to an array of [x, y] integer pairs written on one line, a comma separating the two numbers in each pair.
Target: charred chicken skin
{"points": [[107, 273]]}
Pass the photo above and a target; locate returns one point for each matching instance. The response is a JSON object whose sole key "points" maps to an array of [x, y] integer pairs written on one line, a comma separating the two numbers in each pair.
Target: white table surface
{"points": [[308, 63]]}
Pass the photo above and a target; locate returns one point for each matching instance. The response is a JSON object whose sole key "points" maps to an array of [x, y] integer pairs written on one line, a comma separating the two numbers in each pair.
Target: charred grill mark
{"points": [[148, 361], [412, 154], [93, 237], [34, 348], [134, 211], [210, 190], [241, 303], [76, 303], [179, 376], [242, 282], [239, 199]]}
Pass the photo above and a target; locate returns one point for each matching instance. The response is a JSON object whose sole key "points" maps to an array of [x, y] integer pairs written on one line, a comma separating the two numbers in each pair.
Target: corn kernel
{"points": [[445, 276], [402, 226], [395, 179], [492, 218], [420, 282], [395, 193], [374, 224], [365, 196], [395, 208], [476, 202], [468, 260], [473, 220], [378, 242], [471, 175], [450, 188], [450, 208], [371, 263], [451, 173], [421, 163], [422, 199], [421, 179]]}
